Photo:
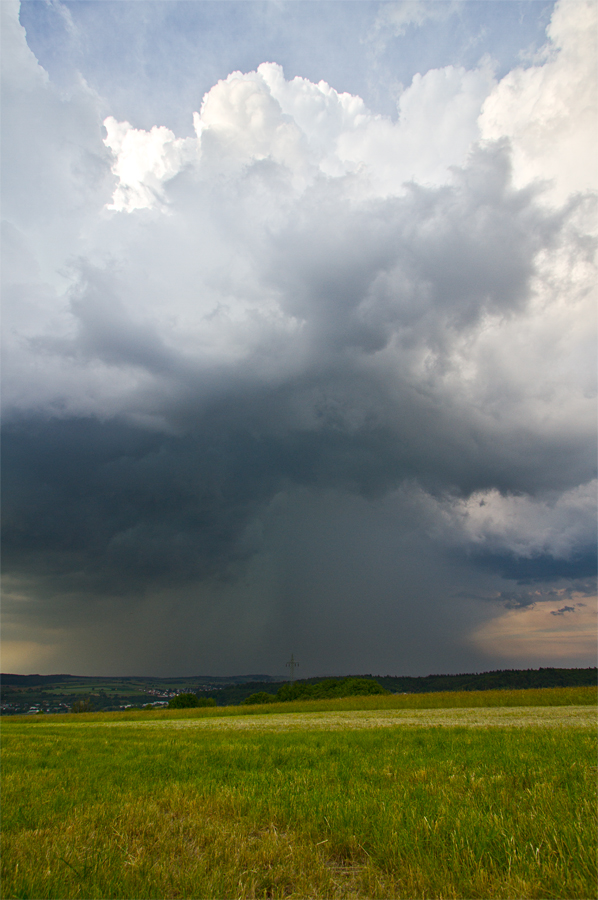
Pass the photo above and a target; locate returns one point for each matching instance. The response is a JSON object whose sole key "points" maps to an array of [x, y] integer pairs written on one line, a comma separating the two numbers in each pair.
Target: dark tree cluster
{"points": [[321, 690], [507, 679], [188, 701]]}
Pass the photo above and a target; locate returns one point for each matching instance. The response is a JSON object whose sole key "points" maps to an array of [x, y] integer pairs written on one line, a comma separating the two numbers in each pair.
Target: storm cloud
{"points": [[310, 379]]}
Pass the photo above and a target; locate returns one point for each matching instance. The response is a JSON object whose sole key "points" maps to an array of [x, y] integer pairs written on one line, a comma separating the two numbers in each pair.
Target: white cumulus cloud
{"points": [[550, 110]]}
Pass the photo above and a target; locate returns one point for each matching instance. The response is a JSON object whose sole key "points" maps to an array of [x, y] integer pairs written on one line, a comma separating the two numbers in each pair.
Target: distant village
{"points": [[153, 697]]}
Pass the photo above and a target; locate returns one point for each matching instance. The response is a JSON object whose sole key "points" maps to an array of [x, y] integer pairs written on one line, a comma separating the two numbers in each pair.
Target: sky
{"points": [[298, 336]]}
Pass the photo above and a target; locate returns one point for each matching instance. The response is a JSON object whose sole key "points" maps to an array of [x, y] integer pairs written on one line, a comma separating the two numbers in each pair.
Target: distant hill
{"points": [[485, 681], [20, 691], [475, 681], [34, 680]]}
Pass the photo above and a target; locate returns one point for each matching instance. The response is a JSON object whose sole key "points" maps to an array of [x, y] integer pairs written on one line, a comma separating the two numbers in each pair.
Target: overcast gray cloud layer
{"points": [[304, 377]]}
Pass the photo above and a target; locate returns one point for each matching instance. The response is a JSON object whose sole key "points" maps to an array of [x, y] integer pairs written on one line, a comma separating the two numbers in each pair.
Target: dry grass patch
{"points": [[513, 717]]}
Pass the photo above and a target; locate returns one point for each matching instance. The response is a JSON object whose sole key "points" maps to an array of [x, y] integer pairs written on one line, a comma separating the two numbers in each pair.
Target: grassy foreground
{"points": [[94, 811]]}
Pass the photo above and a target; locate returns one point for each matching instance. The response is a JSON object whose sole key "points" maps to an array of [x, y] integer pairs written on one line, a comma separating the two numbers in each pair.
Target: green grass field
{"points": [[404, 796]]}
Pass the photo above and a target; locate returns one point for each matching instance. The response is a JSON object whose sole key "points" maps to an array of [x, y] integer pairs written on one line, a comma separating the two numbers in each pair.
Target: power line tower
{"points": [[292, 665]]}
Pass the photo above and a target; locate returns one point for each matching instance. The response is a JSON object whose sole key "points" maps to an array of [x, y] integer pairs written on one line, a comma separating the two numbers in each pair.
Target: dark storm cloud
{"points": [[523, 597], [118, 507], [437, 259], [113, 506], [542, 567], [264, 379]]}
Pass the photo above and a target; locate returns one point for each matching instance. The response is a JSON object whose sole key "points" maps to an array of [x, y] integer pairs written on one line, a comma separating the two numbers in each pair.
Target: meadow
{"points": [[401, 796]]}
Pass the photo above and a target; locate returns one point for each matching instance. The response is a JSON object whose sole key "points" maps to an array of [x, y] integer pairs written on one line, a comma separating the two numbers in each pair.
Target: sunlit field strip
{"points": [[507, 717]]}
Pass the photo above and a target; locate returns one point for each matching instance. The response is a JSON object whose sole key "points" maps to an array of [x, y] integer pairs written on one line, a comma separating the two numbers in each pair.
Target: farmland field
{"points": [[368, 797]]}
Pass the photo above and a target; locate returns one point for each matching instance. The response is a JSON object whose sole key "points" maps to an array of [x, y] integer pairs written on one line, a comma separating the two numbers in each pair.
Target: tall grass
{"points": [[431, 812]]}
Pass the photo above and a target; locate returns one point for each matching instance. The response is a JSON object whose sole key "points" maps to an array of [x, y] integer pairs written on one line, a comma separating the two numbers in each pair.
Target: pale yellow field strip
{"points": [[485, 717]]}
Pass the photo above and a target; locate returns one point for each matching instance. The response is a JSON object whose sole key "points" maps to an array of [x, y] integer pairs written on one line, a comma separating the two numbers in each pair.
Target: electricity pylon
{"points": [[292, 665]]}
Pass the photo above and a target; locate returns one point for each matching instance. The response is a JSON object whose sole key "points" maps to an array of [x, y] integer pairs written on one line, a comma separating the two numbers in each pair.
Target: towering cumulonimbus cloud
{"points": [[248, 371]]}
